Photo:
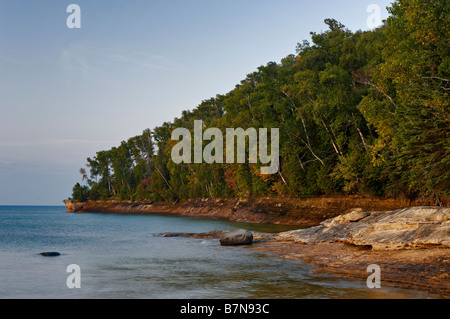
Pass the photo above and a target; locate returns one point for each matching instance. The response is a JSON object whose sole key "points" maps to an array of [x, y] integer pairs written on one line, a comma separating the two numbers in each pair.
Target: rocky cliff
{"points": [[273, 210]]}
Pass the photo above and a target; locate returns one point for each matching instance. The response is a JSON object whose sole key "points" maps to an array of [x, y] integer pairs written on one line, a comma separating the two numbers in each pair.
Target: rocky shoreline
{"points": [[263, 210], [410, 244], [425, 270]]}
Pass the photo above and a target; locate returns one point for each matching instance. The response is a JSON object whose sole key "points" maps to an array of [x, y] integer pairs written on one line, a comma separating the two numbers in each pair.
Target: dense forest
{"points": [[363, 112]]}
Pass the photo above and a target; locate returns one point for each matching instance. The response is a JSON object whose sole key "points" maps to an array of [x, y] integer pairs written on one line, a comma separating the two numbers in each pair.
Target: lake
{"points": [[123, 256]]}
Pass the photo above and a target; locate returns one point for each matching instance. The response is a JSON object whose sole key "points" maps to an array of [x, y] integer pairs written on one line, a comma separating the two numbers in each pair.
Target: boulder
{"points": [[236, 237]]}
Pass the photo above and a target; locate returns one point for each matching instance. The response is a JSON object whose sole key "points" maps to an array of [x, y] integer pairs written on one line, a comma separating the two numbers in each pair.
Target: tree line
{"points": [[362, 112]]}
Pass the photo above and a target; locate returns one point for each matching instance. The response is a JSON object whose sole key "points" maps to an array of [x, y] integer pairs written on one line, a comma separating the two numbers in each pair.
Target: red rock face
{"points": [[269, 210]]}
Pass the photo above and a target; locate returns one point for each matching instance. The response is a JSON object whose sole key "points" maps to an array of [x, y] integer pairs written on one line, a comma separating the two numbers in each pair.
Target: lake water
{"points": [[122, 256]]}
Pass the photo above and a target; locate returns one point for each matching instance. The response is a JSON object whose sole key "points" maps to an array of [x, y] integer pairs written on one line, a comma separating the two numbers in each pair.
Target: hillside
{"points": [[359, 113]]}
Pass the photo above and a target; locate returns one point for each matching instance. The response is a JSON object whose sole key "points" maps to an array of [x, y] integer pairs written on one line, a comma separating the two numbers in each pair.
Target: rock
{"points": [[72, 206], [352, 217], [214, 234], [50, 254], [236, 237], [412, 227]]}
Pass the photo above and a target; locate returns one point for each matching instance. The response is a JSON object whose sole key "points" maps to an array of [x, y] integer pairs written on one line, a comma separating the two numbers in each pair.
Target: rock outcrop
{"points": [[265, 210], [412, 227], [73, 206]]}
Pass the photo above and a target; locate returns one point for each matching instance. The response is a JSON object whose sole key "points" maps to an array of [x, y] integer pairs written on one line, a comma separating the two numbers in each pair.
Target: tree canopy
{"points": [[358, 112]]}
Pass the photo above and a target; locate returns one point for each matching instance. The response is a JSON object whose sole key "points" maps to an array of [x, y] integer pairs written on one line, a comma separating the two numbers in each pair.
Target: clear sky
{"points": [[67, 93]]}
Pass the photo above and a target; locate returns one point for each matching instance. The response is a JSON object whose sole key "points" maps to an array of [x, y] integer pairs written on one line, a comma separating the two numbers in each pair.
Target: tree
{"points": [[358, 112], [409, 102], [80, 193]]}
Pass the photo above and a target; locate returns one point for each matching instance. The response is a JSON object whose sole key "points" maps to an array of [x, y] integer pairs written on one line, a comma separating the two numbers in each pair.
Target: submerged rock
{"points": [[209, 235], [412, 227], [50, 254], [236, 237]]}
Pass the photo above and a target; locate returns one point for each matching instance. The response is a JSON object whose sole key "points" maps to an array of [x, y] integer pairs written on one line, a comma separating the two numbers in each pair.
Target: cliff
{"points": [[270, 210]]}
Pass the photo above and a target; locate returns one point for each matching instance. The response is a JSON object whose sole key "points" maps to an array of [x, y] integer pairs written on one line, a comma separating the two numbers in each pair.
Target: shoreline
{"points": [[426, 270], [262, 210], [423, 269], [331, 242], [411, 246]]}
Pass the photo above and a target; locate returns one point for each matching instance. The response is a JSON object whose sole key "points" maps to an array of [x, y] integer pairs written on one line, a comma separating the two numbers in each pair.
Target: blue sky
{"points": [[67, 93]]}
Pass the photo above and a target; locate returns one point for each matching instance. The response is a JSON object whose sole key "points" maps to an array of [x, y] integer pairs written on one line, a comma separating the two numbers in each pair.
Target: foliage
{"points": [[358, 112]]}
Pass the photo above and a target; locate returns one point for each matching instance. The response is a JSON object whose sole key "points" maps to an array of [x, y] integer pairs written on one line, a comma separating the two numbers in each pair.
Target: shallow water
{"points": [[122, 256]]}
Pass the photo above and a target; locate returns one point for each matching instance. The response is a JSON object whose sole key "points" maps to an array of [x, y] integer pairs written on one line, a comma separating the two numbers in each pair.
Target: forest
{"points": [[364, 112]]}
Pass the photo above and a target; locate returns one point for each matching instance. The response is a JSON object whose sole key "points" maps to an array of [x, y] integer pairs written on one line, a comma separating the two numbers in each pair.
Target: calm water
{"points": [[121, 256]]}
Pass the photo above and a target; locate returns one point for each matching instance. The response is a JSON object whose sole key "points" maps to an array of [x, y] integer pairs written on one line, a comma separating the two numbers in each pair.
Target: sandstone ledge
{"points": [[268, 210], [413, 227]]}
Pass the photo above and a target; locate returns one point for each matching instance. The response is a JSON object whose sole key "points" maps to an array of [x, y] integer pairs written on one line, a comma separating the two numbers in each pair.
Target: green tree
{"points": [[409, 103], [80, 193]]}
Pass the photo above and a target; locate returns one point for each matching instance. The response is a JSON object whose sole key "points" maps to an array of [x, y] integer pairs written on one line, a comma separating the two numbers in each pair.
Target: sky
{"points": [[66, 93]]}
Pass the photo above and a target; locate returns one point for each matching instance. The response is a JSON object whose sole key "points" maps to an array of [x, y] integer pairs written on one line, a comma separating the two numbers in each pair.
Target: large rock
{"points": [[236, 237], [412, 227]]}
